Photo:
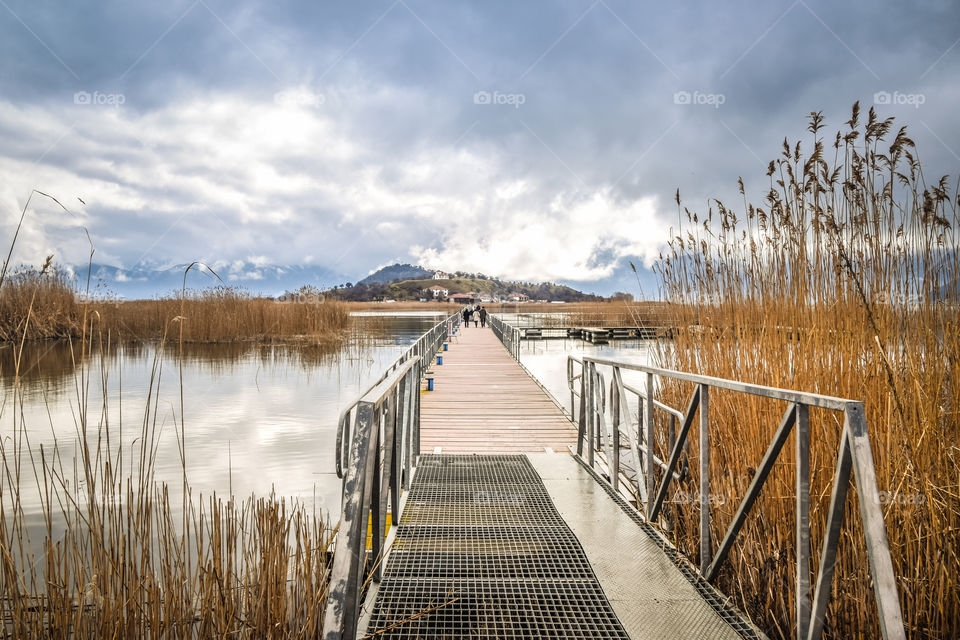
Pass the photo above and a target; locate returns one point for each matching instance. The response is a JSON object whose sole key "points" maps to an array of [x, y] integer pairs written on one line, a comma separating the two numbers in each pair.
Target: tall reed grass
{"points": [[113, 554], [45, 294], [844, 281], [617, 313], [217, 314]]}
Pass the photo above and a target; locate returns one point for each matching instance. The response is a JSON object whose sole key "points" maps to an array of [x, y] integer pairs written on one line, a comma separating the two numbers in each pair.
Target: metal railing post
{"points": [[582, 419], [615, 430], [648, 437], [874, 530], [415, 447], [704, 478], [803, 521], [345, 579], [378, 500], [589, 400]]}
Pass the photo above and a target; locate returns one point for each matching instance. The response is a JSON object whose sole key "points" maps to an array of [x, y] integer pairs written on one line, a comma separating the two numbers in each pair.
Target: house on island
{"points": [[438, 292], [518, 297], [441, 275]]}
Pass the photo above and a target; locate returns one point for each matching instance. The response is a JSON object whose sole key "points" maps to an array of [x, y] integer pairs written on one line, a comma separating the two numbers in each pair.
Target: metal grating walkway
{"points": [[481, 552]]}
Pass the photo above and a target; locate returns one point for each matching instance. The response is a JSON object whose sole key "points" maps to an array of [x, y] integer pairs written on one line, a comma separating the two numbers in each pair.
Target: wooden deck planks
{"points": [[484, 402]]}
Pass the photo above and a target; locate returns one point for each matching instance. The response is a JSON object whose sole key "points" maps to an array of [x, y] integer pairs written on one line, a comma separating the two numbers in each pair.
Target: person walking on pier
{"points": [[483, 317], [467, 310]]}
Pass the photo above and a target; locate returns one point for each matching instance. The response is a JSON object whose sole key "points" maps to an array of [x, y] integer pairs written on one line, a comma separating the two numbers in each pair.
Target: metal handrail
{"points": [[378, 442], [385, 444], [508, 334], [854, 457], [425, 348]]}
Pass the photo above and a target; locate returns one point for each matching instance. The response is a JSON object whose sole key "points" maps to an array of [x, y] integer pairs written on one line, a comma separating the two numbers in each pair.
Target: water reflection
{"points": [[256, 417], [547, 361]]}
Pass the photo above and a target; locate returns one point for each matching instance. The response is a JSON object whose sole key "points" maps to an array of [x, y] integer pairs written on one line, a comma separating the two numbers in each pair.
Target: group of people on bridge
{"points": [[478, 313]]}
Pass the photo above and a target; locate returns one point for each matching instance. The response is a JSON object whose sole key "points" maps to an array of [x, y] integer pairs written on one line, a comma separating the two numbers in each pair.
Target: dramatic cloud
{"points": [[532, 141]]}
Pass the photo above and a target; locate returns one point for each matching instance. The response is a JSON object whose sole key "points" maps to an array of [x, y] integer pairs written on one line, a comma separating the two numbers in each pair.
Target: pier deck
{"points": [[504, 534], [485, 402]]}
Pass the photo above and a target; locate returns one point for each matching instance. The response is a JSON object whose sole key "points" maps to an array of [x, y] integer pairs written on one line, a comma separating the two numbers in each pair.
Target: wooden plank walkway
{"points": [[484, 402]]}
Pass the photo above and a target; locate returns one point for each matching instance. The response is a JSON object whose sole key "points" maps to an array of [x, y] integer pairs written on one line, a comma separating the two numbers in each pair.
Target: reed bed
{"points": [[616, 313], [224, 314], [46, 296], [113, 554], [219, 314], [844, 281]]}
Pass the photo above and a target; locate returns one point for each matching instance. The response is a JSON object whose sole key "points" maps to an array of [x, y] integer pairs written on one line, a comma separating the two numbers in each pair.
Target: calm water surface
{"points": [[257, 418]]}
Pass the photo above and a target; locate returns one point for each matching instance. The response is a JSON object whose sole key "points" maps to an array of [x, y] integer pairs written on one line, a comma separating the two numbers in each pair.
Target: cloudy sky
{"points": [[529, 140]]}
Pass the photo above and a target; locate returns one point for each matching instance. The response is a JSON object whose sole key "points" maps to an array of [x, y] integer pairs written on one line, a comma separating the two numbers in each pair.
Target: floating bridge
{"points": [[484, 509]]}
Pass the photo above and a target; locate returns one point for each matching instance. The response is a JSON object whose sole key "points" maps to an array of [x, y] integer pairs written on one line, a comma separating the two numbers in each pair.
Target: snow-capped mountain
{"points": [[149, 281]]}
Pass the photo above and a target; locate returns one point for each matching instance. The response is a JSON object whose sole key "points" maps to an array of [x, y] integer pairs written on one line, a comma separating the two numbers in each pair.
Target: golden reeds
{"points": [[51, 302], [615, 313], [845, 281], [219, 314], [110, 553]]}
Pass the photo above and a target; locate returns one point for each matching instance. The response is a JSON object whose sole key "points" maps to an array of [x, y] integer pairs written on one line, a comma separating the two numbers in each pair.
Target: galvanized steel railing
{"points": [[508, 334], [378, 441], [603, 435], [425, 348], [382, 451]]}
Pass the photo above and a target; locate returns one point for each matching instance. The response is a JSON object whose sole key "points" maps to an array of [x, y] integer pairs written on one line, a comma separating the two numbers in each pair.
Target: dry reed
{"points": [[218, 314], [844, 282], [116, 555], [617, 313]]}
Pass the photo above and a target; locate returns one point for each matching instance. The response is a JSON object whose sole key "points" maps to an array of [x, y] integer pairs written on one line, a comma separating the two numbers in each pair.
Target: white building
{"points": [[441, 275], [438, 292]]}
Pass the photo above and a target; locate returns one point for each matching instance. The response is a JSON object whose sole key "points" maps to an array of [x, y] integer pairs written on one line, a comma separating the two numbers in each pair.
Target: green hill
{"points": [[416, 288], [396, 272]]}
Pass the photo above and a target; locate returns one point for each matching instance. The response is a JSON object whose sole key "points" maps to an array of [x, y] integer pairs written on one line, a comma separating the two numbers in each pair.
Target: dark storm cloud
{"points": [[355, 133]]}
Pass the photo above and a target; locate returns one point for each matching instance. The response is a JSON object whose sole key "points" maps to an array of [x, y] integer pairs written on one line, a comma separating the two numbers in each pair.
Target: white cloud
{"points": [[242, 183], [577, 238]]}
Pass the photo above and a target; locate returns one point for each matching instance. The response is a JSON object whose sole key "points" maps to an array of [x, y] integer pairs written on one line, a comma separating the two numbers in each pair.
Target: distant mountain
{"points": [[397, 272], [150, 281]]}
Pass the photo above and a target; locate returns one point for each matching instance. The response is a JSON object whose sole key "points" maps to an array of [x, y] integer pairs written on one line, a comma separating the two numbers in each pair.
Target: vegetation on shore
{"points": [[114, 554], [846, 282], [414, 289], [42, 303]]}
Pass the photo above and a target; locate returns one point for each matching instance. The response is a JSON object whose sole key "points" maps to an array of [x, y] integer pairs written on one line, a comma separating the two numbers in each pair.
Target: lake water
{"points": [[258, 418]]}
